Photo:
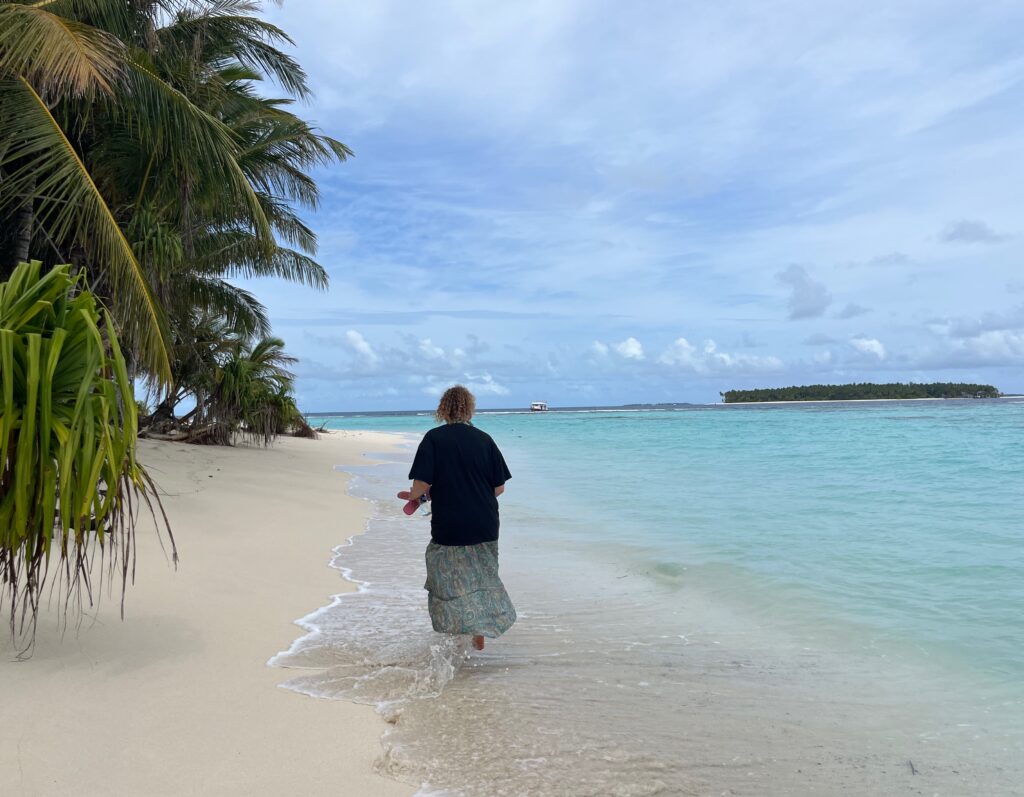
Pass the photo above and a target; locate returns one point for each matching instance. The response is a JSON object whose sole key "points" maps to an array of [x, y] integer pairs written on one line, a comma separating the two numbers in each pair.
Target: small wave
{"points": [[600, 686], [372, 645], [384, 682]]}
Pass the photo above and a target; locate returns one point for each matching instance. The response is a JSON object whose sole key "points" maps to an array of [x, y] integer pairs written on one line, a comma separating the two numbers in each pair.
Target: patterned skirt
{"points": [[465, 595]]}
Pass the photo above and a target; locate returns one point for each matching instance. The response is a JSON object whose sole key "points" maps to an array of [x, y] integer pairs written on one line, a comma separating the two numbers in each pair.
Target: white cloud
{"points": [[986, 322], [996, 346], [986, 339], [871, 346], [683, 354], [599, 348], [482, 384], [359, 345], [739, 362], [630, 348], [428, 349]]}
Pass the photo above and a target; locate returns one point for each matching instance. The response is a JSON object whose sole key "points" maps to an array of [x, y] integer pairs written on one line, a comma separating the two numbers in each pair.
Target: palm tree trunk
{"points": [[23, 231], [23, 220]]}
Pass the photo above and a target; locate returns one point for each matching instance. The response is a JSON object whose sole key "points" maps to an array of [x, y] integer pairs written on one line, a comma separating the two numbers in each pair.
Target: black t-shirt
{"points": [[462, 465]]}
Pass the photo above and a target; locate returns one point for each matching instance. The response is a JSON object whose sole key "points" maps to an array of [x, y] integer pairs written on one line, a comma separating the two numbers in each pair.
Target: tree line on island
{"points": [[862, 391], [142, 169]]}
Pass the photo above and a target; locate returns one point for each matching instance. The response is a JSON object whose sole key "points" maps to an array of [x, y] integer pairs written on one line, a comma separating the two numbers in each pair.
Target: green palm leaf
{"points": [[42, 161], [237, 253], [242, 311], [134, 141], [58, 56], [228, 29], [280, 146], [113, 16], [168, 123], [68, 474]]}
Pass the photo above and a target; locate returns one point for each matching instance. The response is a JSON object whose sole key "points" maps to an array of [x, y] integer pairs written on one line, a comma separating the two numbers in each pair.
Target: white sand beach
{"points": [[177, 699]]}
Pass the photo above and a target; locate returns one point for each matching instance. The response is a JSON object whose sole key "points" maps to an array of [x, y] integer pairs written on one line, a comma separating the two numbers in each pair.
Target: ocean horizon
{"points": [[768, 599], [641, 407]]}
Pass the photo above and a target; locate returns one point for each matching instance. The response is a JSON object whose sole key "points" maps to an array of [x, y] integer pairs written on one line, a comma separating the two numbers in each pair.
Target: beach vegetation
{"points": [[250, 395], [70, 485], [862, 391], [150, 159], [139, 146], [233, 387]]}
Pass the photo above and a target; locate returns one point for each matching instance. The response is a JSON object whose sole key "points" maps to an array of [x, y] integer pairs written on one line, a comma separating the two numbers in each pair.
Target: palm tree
{"points": [[136, 147], [250, 394], [197, 352], [133, 137], [50, 63]]}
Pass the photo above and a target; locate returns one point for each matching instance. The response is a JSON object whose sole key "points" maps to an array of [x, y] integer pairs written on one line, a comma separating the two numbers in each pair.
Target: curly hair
{"points": [[457, 405]]}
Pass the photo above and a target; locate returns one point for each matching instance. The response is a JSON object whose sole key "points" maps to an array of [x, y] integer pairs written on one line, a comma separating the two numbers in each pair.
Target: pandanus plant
{"points": [[70, 486]]}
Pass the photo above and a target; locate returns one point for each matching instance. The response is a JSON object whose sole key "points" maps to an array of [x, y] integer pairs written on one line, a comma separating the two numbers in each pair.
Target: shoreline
{"points": [[178, 698], [804, 716], [184, 698]]}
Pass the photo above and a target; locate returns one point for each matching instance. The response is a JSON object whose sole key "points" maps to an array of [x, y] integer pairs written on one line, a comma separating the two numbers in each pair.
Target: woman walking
{"points": [[463, 472]]}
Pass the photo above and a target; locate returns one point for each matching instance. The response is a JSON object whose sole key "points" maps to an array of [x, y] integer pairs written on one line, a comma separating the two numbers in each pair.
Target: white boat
{"points": [[539, 406]]}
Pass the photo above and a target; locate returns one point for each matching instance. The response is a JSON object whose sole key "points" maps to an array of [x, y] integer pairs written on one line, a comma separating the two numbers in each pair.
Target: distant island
{"points": [[863, 391]]}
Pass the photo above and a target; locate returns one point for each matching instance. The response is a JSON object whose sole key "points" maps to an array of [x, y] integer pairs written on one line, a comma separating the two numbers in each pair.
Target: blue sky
{"points": [[604, 203]]}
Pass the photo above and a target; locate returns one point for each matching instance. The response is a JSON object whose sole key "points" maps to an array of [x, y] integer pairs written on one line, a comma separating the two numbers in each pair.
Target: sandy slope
{"points": [[177, 699]]}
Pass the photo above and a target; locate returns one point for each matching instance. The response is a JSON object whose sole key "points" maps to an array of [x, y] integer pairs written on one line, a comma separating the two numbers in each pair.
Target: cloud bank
{"points": [[593, 203]]}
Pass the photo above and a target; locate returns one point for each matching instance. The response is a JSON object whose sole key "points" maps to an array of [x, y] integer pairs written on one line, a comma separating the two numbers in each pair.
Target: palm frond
{"points": [[69, 480], [57, 56], [40, 160], [287, 224], [228, 30], [240, 309], [277, 176], [279, 147], [120, 19], [237, 253], [167, 121], [270, 355]]}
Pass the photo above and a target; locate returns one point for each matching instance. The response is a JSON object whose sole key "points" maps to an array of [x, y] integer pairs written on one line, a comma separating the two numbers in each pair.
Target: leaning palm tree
{"points": [[133, 143], [213, 53], [199, 347], [155, 121], [70, 485], [135, 146], [49, 65], [249, 395]]}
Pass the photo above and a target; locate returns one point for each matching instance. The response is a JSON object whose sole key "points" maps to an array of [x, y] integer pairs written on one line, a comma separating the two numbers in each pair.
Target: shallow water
{"points": [[767, 601]]}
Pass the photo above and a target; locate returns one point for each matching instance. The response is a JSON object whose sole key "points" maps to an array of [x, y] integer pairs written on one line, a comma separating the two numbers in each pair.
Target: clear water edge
{"points": [[818, 649]]}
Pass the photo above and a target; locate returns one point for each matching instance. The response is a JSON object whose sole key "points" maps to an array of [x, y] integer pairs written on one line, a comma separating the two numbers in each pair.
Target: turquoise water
{"points": [[753, 600], [905, 520]]}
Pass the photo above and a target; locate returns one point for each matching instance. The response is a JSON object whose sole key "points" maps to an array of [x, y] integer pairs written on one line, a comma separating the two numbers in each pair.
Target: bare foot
{"points": [[478, 642]]}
